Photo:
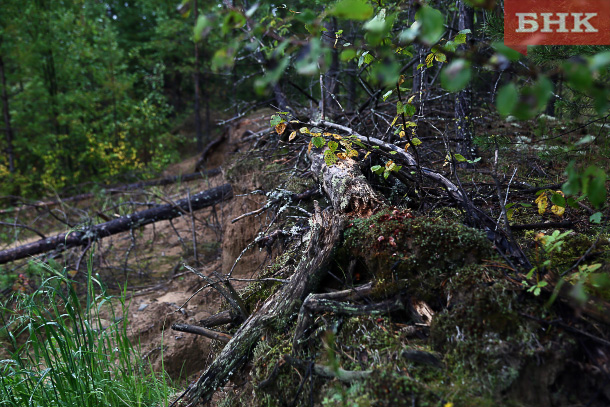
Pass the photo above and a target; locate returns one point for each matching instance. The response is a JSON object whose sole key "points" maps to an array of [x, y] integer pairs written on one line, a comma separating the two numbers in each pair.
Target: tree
{"points": [[8, 130]]}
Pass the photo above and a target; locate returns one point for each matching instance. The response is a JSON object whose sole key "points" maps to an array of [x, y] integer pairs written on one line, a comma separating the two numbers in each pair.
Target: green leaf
{"points": [[594, 185], [596, 218], [578, 75], [365, 58], [393, 152], [415, 141], [377, 169], [456, 75], [387, 95], [348, 55], [440, 57], [533, 99], [432, 24], [377, 24], [409, 109], [572, 186], [318, 142], [460, 39], [352, 10], [233, 20], [330, 158], [459, 158], [507, 99], [333, 145], [558, 199], [275, 120], [199, 32]]}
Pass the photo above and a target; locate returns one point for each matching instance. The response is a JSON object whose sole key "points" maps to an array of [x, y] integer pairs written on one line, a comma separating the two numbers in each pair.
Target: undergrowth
{"points": [[63, 353]]}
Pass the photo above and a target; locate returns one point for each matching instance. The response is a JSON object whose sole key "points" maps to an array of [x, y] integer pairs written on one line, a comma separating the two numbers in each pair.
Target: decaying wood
{"points": [[324, 233], [356, 196], [346, 187], [135, 220], [197, 330]]}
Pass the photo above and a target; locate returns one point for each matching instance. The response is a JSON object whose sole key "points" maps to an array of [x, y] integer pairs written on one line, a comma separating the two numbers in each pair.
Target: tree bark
{"points": [[198, 133], [122, 224], [8, 130]]}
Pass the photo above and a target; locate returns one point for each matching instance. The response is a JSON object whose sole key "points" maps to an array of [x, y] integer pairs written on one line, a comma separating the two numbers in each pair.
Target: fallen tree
{"points": [[351, 195], [84, 237]]}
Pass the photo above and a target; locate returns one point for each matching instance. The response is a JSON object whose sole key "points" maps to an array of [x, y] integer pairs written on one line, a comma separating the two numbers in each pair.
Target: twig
{"points": [[19, 225], [197, 330]]}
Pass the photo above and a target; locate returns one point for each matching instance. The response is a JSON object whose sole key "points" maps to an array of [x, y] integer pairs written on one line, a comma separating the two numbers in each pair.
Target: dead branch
{"points": [[222, 318], [197, 330]]}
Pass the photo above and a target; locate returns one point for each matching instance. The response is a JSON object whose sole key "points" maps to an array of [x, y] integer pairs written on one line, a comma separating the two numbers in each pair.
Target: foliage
{"points": [[64, 353], [86, 96]]}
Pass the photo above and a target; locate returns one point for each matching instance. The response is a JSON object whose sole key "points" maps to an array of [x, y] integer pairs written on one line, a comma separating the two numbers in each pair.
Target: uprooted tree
{"points": [[373, 134]]}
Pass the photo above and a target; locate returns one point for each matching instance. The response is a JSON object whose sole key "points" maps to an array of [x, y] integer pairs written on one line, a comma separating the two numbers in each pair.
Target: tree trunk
{"points": [[8, 130], [122, 224], [463, 99], [198, 133]]}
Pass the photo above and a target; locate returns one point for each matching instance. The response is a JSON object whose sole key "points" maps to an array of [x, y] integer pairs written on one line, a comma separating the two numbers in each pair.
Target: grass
{"points": [[62, 355]]}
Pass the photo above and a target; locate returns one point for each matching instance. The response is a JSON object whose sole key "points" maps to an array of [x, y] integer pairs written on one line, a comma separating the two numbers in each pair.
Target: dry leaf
{"points": [[280, 128], [292, 136]]}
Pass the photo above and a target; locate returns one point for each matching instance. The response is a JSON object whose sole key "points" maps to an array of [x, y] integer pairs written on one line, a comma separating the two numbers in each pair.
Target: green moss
{"points": [[397, 246]]}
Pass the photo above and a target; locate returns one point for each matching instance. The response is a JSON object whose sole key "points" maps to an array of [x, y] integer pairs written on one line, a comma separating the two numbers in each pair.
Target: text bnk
{"points": [[530, 22]]}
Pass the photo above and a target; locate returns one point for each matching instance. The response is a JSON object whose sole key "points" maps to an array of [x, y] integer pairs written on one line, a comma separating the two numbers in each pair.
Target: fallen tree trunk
{"points": [[350, 193], [122, 224], [118, 189]]}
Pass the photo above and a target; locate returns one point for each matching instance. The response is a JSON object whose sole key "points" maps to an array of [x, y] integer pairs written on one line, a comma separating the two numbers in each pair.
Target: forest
{"points": [[308, 203]]}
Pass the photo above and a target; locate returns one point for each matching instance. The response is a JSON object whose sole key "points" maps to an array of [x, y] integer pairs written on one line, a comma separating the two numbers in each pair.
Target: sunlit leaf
{"points": [[332, 146], [415, 141], [542, 202], [330, 158], [292, 136]]}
